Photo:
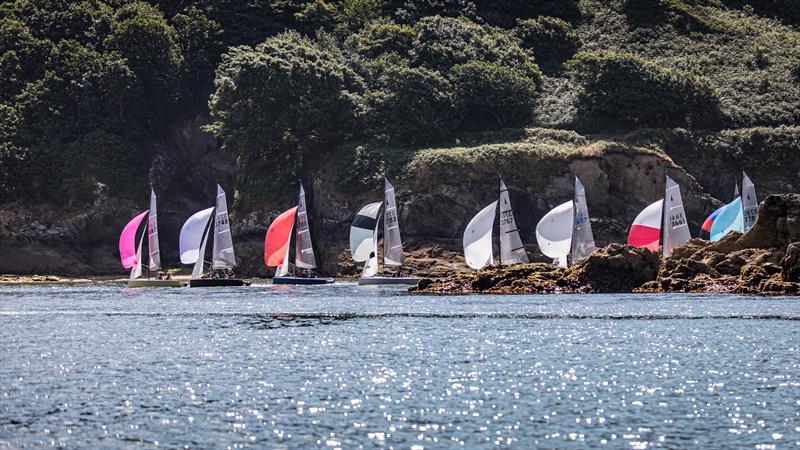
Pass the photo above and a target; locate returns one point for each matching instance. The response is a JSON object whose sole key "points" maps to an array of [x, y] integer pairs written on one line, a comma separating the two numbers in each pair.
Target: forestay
{"points": [[676, 228], [511, 249], [222, 256], [582, 237], [478, 238], [392, 243], [554, 232]]}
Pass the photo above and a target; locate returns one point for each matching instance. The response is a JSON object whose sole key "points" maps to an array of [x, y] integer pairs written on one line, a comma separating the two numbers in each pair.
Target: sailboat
{"points": [[738, 215], [663, 221], [564, 233], [131, 254], [478, 251], [364, 241], [276, 246], [194, 237]]}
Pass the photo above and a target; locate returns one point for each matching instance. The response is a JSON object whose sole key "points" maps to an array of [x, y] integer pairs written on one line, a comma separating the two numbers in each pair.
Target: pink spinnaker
{"points": [[127, 241]]}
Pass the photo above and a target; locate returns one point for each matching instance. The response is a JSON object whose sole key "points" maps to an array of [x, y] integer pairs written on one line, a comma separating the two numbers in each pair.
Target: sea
{"points": [[343, 366]]}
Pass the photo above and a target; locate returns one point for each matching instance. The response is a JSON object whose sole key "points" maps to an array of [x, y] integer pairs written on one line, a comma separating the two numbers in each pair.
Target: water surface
{"points": [[347, 367]]}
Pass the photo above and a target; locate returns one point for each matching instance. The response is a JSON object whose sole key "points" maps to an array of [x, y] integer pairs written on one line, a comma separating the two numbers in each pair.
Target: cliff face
{"points": [[438, 190]]}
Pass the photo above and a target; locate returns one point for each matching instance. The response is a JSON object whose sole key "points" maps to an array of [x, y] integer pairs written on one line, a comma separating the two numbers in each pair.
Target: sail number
{"points": [[506, 217], [677, 220], [391, 218]]}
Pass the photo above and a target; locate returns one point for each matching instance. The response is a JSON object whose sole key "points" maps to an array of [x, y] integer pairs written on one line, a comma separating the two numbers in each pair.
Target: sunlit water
{"points": [[348, 367]]}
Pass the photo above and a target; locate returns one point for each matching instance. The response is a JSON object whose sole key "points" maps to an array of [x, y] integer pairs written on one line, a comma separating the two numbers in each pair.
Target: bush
{"points": [[505, 13], [412, 11], [380, 38], [418, 104], [625, 90], [683, 16], [551, 40], [493, 93]]}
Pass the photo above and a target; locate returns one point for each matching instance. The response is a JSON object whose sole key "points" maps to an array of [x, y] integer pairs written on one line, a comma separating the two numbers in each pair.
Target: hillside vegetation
{"points": [[87, 86]]}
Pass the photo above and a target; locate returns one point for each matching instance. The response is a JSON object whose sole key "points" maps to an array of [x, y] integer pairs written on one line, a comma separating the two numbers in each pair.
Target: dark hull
{"points": [[301, 280], [212, 282], [388, 281]]}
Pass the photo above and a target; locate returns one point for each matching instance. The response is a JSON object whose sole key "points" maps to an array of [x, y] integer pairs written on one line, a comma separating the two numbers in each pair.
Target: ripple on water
{"points": [[350, 368]]}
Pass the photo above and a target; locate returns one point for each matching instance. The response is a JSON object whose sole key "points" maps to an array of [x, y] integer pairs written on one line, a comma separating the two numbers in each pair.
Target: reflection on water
{"points": [[343, 367]]}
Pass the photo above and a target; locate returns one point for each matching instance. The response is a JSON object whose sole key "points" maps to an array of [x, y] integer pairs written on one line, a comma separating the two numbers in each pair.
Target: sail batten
{"points": [[511, 249], [223, 256]]}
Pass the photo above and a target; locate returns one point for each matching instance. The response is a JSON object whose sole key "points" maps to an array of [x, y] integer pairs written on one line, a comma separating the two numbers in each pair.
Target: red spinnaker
{"points": [[277, 239]]}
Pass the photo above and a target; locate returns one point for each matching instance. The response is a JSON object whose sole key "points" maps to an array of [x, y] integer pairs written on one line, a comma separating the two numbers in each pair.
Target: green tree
{"points": [[492, 91], [551, 40], [198, 37], [280, 102]]}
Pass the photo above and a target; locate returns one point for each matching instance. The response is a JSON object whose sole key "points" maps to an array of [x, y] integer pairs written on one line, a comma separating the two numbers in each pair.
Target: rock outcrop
{"points": [[766, 260]]}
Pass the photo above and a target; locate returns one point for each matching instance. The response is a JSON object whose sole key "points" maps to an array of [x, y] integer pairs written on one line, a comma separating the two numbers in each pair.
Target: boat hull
{"points": [[217, 282], [388, 281], [301, 280], [143, 283]]}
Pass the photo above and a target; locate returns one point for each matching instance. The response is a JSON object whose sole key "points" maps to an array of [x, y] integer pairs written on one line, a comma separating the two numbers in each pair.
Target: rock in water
{"points": [[615, 268]]}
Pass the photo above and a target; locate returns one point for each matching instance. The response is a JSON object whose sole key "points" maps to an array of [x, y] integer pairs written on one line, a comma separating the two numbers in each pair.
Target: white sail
{"points": [[371, 266], [362, 232], [554, 232], [735, 190], [304, 250], [511, 249], [222, 256], [582, 237], [197, 271], [283, 269], [749, 203], [392, 243], [675, 228], [478, 238], [152, 235], [192, 234], [136, 272]]}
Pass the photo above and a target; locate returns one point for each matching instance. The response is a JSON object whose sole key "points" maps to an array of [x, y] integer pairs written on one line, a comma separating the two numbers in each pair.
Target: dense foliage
{"points": [[87, 87]]}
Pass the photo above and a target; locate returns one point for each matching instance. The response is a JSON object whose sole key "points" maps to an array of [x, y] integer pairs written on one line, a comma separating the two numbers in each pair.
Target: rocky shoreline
{"points": [[766, 260]]}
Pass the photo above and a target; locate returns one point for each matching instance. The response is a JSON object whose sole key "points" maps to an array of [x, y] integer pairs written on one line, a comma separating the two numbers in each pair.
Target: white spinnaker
{"points": [[304, 249], [136, 272], [478, 238], [675, 228], [511, 249], [222, 256], [554, 232], [362, 232], [749, 203], [392, 243], [371, 266], [582, 237], [192, 234], [152, 235], [197, 271]]}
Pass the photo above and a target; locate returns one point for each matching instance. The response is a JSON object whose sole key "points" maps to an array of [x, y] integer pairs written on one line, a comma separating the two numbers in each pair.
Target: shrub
{"points": [[412, 11], [551, 40], [494, 93], [505, 13], [684, 16], [381, 38], [623, 89]]}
